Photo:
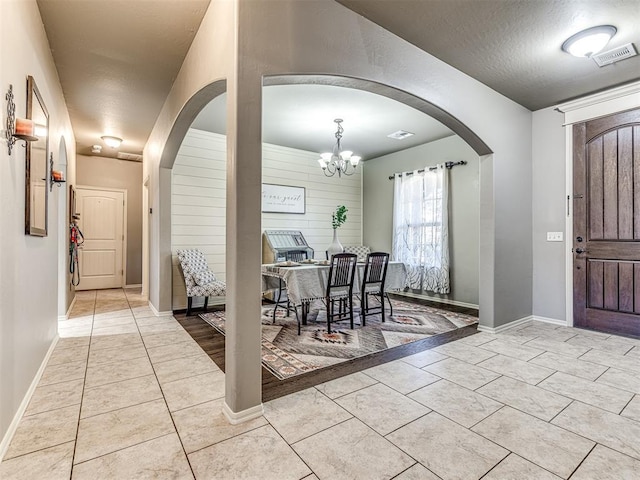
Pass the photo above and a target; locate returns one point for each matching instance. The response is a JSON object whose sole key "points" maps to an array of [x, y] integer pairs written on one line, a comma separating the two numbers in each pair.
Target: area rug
{"points": [[286, 354]]}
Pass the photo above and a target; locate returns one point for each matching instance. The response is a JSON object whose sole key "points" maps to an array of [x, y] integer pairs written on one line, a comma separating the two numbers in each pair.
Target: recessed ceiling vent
{"points": [[132, 157], [400, 135], [615, 55]]}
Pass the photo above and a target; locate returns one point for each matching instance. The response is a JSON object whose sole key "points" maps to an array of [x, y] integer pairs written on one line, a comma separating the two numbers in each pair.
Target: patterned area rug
{"points": [[286, 354]]}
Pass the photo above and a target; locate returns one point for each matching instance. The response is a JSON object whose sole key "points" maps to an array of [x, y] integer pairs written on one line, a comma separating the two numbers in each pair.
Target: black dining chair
{"points": [[293, 256], [340, 288], [373, 279]]}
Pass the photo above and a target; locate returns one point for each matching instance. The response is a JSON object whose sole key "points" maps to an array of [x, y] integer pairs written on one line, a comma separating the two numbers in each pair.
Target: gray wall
{"points": [[113, 173], [549, 214], [464, 213]]}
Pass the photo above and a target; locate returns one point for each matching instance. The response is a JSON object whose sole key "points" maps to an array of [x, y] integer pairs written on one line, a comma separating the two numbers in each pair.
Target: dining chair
{"points": [[340, 288], [373, 280], [293, 256], [199, 280]]}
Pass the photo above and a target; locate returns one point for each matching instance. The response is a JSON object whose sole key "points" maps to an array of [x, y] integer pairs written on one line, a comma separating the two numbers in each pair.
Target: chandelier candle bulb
{"points": [[24, 127]]}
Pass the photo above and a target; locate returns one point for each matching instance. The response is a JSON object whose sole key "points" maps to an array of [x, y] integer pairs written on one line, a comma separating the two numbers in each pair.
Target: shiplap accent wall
{"points": [[198, 202]]}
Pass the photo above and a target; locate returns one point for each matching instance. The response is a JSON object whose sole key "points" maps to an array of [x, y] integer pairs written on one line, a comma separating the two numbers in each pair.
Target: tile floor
{"points": [[127, 395]]}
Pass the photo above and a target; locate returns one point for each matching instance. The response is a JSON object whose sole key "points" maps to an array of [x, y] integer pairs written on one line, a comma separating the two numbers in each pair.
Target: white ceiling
{"points": [[117, 60], [302, 116]]}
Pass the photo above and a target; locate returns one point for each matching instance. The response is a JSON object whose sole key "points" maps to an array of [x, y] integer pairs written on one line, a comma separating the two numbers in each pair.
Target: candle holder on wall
{"points": [[56, 177], [16, 128]]}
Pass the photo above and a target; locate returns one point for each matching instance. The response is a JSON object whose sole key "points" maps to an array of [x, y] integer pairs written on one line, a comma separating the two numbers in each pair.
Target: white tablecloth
{"points": [[309, 282]]}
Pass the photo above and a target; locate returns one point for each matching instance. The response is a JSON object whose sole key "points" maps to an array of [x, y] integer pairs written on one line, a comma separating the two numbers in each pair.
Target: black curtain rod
{"points": [[448, 165]]}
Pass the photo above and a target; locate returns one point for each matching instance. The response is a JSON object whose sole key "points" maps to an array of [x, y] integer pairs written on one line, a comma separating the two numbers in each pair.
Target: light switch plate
{"points": [[554, 236]]}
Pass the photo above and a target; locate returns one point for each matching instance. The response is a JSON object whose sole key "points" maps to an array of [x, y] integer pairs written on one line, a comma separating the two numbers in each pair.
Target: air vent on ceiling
{"points": [[132, 157], [615, 55], [400, 135]]}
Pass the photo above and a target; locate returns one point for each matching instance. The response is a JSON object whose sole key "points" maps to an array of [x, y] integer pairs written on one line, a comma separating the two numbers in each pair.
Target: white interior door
{"points": [[102, 224]]}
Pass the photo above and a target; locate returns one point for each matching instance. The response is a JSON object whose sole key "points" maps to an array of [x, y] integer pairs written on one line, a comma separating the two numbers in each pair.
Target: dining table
{"points": [[306, 282]]}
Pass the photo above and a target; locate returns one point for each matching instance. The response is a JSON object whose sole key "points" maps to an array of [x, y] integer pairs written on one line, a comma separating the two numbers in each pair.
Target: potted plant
{"points": [[337, 219]]}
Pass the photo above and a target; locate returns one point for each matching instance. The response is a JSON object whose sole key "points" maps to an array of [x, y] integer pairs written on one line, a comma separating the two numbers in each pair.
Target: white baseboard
{"points": [[6, 440], [137, 285], [506, 326], [157, 313], [554, 321], [235, 418], [62, 318], [438, 299], [521, 321]]}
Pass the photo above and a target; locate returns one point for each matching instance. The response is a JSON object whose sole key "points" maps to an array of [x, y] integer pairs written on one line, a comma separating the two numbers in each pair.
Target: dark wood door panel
{"points": [[607, 223]]}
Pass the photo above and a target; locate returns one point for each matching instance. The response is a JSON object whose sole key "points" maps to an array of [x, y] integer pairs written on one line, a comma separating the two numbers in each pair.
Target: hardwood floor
{"points": [[212, 342]]}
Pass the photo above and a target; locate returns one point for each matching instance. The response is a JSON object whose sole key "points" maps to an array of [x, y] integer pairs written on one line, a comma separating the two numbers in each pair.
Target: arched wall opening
{"points": [[208, 93]]}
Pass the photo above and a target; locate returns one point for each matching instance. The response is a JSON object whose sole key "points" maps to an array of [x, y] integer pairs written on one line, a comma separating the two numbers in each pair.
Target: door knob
{"points": [[581, 250]]}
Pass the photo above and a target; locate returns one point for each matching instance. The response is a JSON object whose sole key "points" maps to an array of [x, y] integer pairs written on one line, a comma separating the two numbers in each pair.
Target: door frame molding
{"points": [[583, 109], [124, 224]]}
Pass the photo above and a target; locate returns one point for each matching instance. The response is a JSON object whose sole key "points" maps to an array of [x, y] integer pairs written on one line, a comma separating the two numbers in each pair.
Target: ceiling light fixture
{"points": [[110, 141], [342, 162], [589, 41]]}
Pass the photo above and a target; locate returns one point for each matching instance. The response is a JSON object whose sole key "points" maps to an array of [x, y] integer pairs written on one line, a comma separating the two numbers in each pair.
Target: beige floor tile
{"points": [[52, 463], [113, 341], [114, 322], [160, 328], [417, 472], [258, 454], [622, 362], [44, 430], [314, 412], [620, 379], [382, 408], [557, 346], [173, 351], [596, 394], [516, 369], [344, 385], [447, 449], [179, 368], [632, 410], [73, 342], [457, 403], [427, 357], [465, 374], [54, 396], [606, 464], [572, 366], [115, 354], [517, 468], [153, 320], [125, 313], [114, 396], [465, 352], [160, 458], [115, 329], [609, 429], [352, 450], [401, 376], [161, 339], [510, 349], [526, 398], [109, 432], [117, 371], [203, 425], [63, 373], [607, 345], [68, 355], [75, 332], [479, 338], [542, 443], [194, 390]]}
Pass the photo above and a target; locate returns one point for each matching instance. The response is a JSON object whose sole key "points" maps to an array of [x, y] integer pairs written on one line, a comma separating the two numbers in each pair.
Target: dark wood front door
{"points": [[606, 224]]}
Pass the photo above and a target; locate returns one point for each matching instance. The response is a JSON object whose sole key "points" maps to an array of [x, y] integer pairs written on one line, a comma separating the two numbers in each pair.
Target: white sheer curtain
{"points": [[420, 227]]}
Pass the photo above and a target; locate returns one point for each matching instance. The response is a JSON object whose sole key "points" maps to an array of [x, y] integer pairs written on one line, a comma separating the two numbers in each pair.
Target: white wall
{"points": [[464, 208], [198, 197], [29, 273], [549, 214]]}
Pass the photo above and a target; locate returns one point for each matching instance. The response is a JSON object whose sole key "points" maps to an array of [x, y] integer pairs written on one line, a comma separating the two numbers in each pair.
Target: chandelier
{"points": [[342, 162]]}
